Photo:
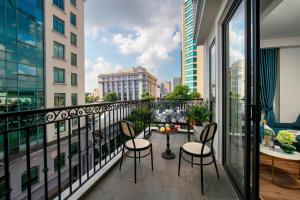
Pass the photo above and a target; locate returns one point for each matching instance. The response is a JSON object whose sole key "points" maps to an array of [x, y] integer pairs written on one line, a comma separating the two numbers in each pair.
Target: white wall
{"points": [[216, 33], [289, 84], [289, 72]]}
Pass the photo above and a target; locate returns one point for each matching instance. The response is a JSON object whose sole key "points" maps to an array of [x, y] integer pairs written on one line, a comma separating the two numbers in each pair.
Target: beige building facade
{"points": [[128, 84], [64, 57]]}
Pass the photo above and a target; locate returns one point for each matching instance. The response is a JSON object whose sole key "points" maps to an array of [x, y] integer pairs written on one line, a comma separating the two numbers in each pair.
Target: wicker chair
{"points": [[134, 145], [202, 149]]}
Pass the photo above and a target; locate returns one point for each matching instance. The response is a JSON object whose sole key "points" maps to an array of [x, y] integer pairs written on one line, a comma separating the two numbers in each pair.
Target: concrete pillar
{"points": [[127, 90], [122, 91]]}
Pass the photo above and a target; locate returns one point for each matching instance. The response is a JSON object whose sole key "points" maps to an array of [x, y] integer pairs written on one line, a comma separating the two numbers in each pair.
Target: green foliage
{"points": [[199, 114], [195, 95], [286, 137], [182, 92], [110, 97], [138, 117], [269, 132], [147, 96], [91, 99]]}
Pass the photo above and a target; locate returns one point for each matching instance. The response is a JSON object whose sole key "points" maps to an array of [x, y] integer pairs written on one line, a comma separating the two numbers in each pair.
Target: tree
{"points": [[195, 95], [110, 97], [147, 96], [89, 99], [182, 92]]}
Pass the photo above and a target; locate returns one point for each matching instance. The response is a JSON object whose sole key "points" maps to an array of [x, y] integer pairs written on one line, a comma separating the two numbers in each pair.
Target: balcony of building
{"points": [[74, 152], [163, 182]]}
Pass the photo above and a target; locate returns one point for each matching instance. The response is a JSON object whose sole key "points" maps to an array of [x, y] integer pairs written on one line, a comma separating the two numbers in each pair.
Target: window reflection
{"points": [[26, 29], [235, 83]]}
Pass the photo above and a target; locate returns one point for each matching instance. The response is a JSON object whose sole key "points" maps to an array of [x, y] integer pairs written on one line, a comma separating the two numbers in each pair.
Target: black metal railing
{"points": [[78, 141], [75, 143]]}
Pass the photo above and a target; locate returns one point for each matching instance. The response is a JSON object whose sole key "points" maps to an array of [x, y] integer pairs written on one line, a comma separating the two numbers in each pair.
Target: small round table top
{"points": [[279, 153], [172, 130]]}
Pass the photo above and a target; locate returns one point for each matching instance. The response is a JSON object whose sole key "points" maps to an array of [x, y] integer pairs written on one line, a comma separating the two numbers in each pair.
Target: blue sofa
{"points": [[277, 126]]}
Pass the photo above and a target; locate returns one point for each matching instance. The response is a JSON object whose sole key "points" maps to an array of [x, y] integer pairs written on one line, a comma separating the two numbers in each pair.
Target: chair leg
{"points": [[201, 167], [179, 162], [139, 156], [214, 159], [192, 163], [151, 157], [135, 166], [121, 158]]}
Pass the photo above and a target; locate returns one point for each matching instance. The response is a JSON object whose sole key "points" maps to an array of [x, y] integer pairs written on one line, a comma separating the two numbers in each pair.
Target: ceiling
{"points": [[280, 19]]}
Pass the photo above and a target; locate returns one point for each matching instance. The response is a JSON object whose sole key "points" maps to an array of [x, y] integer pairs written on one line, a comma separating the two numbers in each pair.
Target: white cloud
{"points": [[104, 39], [153, 44], [147, 30], [91, 30], [93, 69]]}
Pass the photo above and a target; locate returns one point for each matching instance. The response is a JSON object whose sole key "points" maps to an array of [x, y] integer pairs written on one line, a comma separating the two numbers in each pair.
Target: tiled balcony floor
{"points": [[162, 183]]}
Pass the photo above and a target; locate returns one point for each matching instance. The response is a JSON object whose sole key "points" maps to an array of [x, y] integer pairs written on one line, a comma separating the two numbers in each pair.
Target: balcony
{"points": [[72, 152], [163, 182]]}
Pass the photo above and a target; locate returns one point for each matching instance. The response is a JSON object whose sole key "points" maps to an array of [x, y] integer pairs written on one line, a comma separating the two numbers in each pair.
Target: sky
{"points": [[124, 33]]}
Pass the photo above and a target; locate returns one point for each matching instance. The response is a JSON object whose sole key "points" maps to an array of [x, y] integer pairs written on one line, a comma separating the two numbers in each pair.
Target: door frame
{"points": [[228, 171], [250, 188]]}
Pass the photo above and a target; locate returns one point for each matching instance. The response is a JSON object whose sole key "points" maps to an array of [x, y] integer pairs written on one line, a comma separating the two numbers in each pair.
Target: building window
{"points": [[74, 121], [73, 2], [34, 178], [61, 162], [212, 79], [74, 39], [74, 148], [58, 50], [62, 127], [59, 3], [59, 100], [58, 75], [74, 99], [73, 19], [26, 29], [58, 25], [73, 59], [26, 70], [73, 79]]}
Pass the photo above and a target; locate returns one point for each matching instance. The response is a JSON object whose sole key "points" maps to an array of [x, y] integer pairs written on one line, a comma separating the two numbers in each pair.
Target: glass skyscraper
{"points": [[189, 48], [21, 64]]}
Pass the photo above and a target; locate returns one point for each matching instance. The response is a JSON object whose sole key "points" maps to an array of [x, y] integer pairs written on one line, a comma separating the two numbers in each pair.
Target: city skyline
{"points": [[124, 40]]}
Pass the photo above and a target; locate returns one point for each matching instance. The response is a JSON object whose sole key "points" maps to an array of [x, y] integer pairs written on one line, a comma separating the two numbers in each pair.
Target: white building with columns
{"points": [[128, 84]]}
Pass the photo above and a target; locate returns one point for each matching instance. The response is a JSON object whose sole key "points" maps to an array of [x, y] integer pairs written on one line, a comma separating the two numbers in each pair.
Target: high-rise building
{"points": [[41, 58], [22, 69], [191, 54], [176, 81], [64, 57], [41, 66], [165, 88], [128, 84]]}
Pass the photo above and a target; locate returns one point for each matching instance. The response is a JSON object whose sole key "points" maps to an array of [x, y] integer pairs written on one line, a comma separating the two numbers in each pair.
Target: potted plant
{"points": [[286, 140], [198, 116]]}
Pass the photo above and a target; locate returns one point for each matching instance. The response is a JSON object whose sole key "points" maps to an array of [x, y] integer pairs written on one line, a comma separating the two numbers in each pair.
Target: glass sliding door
{"points": [[241, 112], [235, 94], [212, 80]]}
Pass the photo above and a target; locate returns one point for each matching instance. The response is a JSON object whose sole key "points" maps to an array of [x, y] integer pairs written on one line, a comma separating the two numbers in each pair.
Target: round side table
{"points": [[168, 154]]}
